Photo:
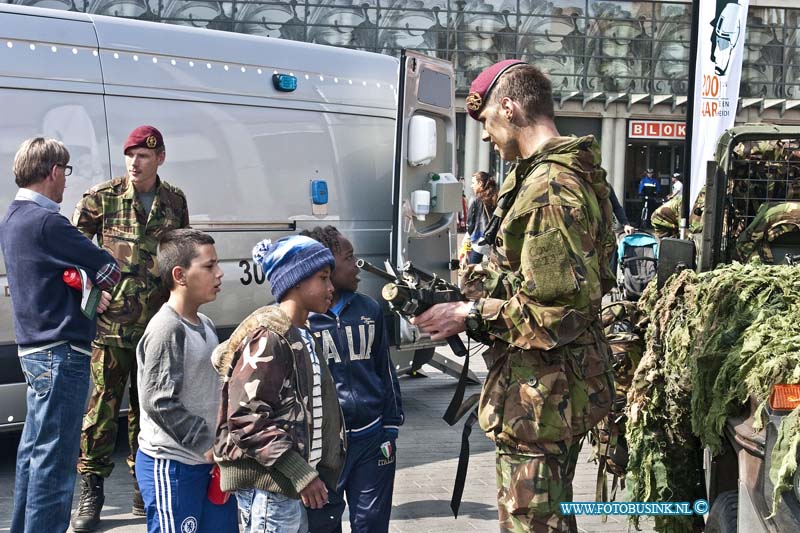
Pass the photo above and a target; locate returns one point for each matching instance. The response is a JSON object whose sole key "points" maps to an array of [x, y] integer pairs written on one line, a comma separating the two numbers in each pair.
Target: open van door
{"points": [[427, 195]]}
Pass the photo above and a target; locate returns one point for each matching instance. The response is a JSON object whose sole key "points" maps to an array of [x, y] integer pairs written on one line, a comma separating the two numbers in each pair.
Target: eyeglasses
{"points": [[67, 169]]}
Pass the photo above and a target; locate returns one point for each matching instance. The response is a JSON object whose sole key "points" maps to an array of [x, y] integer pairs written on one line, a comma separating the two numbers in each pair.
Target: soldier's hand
{"points": [[443, 320], [315, 495], [105, 299]]}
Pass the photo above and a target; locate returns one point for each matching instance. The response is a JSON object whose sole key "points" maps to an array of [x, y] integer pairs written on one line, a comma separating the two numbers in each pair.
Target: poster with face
{"points": [[720, 45]]}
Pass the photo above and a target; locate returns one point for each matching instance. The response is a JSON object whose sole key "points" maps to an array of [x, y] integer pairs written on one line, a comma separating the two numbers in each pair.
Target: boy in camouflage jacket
{"points": [[280, 437]]}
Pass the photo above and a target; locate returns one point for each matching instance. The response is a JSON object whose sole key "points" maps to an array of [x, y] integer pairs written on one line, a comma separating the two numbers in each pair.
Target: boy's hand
{"points": [[209, 455], [315, 495], [105, 299]]}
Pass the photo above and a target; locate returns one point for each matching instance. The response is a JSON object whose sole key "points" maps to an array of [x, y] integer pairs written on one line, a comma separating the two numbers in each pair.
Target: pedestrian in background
{"points": [[179, 393], [52, 330], [619, 214], [280, 440], [128, 216], [537, 301], [352, 337], [677, 184], [480, 209]]}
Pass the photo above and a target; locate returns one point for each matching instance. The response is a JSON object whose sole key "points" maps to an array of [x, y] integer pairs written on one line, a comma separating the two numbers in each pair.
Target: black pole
{"points": [[687, 151]]}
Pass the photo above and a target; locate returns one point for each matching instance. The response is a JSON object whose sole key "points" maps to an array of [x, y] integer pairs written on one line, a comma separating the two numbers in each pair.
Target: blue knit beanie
{"points": [[290, 260]]}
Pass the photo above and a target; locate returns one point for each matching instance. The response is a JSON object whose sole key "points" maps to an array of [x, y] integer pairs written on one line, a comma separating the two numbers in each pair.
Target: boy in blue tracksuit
{"points": [[352, 336]]}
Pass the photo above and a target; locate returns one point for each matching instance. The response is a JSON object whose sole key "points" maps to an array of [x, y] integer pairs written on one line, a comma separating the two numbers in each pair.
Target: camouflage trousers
{"points": [[111, 367], [530, 487]]}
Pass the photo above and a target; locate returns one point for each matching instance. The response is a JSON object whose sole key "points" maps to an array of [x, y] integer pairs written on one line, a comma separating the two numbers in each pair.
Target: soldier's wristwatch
{"points": [[474, 320]]}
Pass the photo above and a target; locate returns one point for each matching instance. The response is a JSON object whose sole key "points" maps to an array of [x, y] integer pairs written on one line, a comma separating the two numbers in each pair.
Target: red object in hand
{"points": [[215, 493], [72, 278]]}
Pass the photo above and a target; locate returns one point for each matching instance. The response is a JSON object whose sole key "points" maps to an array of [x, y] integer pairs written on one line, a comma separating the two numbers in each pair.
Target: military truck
{"points": [[751, 207]]}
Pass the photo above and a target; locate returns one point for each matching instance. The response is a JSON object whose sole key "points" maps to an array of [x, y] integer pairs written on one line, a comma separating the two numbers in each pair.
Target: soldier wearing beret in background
{"points": [[537, 302], [128, 215]]}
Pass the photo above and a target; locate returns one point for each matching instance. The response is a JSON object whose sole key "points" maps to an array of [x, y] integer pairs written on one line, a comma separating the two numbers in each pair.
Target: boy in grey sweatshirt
{"points": [[179, 393]]}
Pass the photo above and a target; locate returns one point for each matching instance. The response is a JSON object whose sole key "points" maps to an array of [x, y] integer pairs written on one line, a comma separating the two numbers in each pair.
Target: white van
{"points": [[249, 123]]}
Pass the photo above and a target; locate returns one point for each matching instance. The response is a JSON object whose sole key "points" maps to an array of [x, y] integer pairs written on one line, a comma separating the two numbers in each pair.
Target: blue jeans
{"points": [[474, 258], [270, 512], [58, 383]]}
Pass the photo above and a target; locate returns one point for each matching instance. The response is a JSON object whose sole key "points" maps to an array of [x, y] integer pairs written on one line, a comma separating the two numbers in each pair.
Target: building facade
{"points": [[619, 68]]}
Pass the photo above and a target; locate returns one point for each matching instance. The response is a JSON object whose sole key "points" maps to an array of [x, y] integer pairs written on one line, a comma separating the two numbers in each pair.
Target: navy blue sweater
{"points": [[354, 343], [37, 246]]}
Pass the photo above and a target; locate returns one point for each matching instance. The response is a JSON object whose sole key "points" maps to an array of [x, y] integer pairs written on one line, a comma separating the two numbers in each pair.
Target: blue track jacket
{"points": [[352, 336]]}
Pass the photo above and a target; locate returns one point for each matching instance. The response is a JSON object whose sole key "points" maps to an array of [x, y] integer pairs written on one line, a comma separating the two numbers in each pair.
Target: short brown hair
{"points": [[177, 248], [35, 159], [528, 86]]}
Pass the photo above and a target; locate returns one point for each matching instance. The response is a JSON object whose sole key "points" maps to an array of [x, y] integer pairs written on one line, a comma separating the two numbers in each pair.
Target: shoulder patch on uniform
{"points": [[106, 185], [172, 188]]}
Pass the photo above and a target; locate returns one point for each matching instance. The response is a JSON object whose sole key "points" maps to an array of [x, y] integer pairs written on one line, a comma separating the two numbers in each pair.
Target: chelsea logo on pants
{"points": [[189, 525]]}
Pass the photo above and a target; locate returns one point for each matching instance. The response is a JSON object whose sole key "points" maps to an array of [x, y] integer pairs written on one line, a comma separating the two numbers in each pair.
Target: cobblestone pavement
{"points": [[427, 456]]}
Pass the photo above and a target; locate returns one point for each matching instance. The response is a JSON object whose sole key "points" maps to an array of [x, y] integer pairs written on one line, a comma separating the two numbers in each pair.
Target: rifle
{"points": [[414, 291], [410, 293]]}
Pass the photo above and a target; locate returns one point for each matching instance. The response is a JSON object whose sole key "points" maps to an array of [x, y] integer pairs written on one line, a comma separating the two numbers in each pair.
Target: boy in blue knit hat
{"points": [[280, 440]]}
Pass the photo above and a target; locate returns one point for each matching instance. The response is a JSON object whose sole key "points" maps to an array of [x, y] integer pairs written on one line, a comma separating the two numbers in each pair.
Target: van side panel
{"points": [[246, 172], [159, 60]]}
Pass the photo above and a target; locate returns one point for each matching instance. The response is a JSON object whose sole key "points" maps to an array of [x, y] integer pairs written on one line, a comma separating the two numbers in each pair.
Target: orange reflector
{"points": [[785, 397]]}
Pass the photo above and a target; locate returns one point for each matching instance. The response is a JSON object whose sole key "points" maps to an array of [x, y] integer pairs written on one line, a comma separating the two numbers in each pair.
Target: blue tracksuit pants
{"points": [[367, 481], [175, 498]]}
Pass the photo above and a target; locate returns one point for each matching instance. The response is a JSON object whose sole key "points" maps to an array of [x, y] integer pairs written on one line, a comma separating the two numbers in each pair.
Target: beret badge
{"points": [[474, 101], [151, 141]]}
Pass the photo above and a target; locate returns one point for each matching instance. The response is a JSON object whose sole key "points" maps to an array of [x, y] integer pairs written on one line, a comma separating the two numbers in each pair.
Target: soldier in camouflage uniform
{"points": [[666, 219], [128, 216], [771, 221], [538, 300]]}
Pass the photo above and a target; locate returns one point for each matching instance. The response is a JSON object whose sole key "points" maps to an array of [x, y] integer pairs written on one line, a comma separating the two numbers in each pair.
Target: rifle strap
{"points": [[458, 407], [601, 489], [504, 203], [463, 463]]}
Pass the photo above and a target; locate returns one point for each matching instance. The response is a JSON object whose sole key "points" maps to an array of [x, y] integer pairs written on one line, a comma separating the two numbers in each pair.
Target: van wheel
{"points": [[722, 518]]}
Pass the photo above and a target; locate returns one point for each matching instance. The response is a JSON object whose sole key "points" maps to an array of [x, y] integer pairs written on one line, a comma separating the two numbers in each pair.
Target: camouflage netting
{"points": [[713, 340]]}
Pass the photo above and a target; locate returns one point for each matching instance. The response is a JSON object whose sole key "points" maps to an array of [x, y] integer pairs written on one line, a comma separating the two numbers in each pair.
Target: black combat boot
{"points": [[87, 517], [138, 502]]}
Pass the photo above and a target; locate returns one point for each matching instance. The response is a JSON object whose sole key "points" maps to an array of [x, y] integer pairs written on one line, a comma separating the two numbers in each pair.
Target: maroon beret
{"points": [[480, 87], [144, 137]]}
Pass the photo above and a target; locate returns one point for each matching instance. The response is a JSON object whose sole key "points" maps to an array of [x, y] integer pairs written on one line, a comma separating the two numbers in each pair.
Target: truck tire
{"points": [[722, 518]]}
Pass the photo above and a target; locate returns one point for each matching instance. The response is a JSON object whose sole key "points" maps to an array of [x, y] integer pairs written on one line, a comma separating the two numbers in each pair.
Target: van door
{"points": [[427, 195]]}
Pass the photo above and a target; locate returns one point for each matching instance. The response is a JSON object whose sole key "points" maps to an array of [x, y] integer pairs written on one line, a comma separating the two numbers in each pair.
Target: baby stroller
{"points": [[637, 264]]}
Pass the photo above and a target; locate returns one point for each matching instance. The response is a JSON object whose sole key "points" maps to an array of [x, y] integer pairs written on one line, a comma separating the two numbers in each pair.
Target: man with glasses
{"points": [[128, 216], [53, 334]]}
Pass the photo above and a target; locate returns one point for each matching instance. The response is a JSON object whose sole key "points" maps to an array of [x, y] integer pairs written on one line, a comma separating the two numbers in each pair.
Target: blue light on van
{"points": [[284, 82], [319, 192]]}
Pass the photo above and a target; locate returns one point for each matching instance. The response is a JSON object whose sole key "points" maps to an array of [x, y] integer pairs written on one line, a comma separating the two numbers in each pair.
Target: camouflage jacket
{"points": [[771, 221], [264, 423], [666, 219], [549, 377], [111, 212], [696, 215]]}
